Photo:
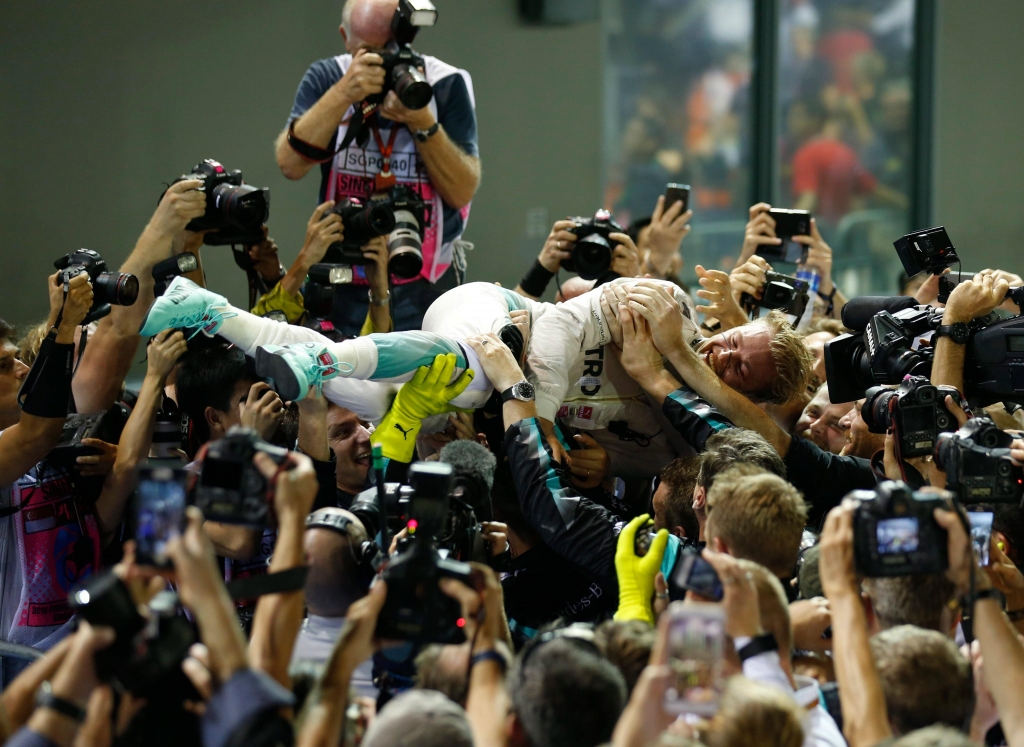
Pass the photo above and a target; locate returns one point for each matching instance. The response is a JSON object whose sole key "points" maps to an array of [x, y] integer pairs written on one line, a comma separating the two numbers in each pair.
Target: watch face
{"points": [[522, 390]]}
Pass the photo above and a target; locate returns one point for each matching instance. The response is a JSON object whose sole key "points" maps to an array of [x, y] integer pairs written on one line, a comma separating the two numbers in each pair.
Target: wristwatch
{"points": [[521, 390], [423, 136], [959, 332], [379, 301], [46, 699]]}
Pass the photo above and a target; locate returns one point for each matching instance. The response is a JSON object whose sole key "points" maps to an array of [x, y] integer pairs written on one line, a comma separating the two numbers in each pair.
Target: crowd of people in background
{"points": [[379, 505]]}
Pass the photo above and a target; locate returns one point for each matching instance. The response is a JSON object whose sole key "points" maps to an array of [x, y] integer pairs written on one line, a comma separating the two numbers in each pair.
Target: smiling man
{"points": [[349, 439]]}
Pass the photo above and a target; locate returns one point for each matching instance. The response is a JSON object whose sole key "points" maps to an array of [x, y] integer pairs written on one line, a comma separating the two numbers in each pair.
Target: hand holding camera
{"points": [[818, 258], [749, 278], [760, 231], [836, 561], [323, 229], [262, 410], [558, 246], [669, 226], [183, 202], [742, 611], [75, 307], [482, 603], [974, 298], [364, 77], [295, 485], [625, 256], [415, 119]]}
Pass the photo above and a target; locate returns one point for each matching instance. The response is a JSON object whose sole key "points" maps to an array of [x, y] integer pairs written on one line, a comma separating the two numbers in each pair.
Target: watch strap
{"points": [[47, 699], [424, 135], [957, 332], [509, 394], [758, 645]]}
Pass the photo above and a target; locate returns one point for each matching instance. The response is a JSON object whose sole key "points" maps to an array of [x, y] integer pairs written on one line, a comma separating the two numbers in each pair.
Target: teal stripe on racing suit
{"points": [[694, 419], [399, 353]]}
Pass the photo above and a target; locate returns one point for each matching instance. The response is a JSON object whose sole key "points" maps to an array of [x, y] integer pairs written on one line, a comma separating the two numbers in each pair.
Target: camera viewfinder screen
{"points": [[1015, 343], [897, 536], [218, 473], [917, 419]]}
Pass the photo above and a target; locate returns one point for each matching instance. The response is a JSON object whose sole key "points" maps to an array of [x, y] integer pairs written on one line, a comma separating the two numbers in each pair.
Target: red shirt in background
{"points": [[831, 170]]}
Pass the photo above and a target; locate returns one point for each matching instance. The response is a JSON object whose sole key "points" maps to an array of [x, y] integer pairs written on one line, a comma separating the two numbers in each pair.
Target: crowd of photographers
{"points": [[378, 505]]}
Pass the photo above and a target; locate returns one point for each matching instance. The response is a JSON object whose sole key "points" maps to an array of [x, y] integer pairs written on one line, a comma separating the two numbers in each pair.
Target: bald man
{"points": [[433, 151], [337, 578]]}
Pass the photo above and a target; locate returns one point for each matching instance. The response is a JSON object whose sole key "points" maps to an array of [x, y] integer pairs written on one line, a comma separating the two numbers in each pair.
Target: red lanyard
{"points": [[385, 180]]}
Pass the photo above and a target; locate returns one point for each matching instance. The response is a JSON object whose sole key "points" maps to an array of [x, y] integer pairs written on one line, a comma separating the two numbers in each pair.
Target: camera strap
{"points": [[294, 579], [385, 180], [312, 152]]}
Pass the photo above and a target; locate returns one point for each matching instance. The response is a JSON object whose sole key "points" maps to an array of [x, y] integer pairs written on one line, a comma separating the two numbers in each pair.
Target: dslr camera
{"points": [[402, 64], [105, 425], [235, 211], [146, 654], [783, 292], [108, 288], [916, 411], [592, 253], [895, 532], [416, 609], [976, 460], [230, 489], [400, 216]]}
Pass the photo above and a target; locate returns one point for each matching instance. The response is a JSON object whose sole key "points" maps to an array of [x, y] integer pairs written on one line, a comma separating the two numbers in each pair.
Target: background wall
{"points": [[979, 131], [105, 101]]}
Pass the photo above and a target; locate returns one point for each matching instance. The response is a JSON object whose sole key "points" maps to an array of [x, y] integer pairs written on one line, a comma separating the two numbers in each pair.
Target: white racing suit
{"points": [[581, 384], [381, 362]]}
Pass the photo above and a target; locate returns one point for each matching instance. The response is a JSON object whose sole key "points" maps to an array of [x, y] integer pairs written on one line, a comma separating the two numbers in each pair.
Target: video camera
{"points": [[976, 460], [592, 252], [117, 288], [146, 654], [885, 351], [916, 411], [783, 292], [416, 609], [235, 211], [895, 532], [230, 488]]}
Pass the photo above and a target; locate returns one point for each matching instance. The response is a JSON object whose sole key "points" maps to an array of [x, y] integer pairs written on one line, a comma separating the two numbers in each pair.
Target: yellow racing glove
{"points": [[636, 575], [427, 393]]}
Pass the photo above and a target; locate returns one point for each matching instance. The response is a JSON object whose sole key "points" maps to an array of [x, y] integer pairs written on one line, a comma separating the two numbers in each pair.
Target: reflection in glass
{"points": [[844, 136], [677, 110]]}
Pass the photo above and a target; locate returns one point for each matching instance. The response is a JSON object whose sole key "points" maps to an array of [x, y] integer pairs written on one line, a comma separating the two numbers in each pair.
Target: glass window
{"points": [[844, 147], [677, 109]]}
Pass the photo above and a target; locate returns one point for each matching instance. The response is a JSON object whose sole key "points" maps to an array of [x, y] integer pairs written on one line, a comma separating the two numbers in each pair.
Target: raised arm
{"points": [[109, 352], [278, 617], [969, 300], [660, 309], [137, 436], [324, 111], [865, 720], [45, 402]]}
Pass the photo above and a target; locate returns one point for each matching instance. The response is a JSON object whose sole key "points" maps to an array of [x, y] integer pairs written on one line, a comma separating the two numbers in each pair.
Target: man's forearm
{"points": [[948, 364], [1004, 666], [133, 448], [863, 703], [452, 172], [487, 705], [732, 404], [659, 385], [25, 443], [317, 126]]}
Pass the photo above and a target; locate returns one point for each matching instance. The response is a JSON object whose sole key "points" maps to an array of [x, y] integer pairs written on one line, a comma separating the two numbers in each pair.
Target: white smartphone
{"points": [[696, 644]]}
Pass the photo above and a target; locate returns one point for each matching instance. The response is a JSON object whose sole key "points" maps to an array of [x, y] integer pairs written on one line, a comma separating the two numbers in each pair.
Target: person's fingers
{"points": [[658, 545], [420, 376], [629, 329], [628, 533], [587, 440], [435, 369], [468, 599]]}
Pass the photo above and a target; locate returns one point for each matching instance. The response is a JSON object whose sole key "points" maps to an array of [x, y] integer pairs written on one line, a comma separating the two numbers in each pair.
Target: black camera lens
{"points": [[592, 256], [411, 87], [369, 223], [242, 205], [117, 288], [875, 409]]}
